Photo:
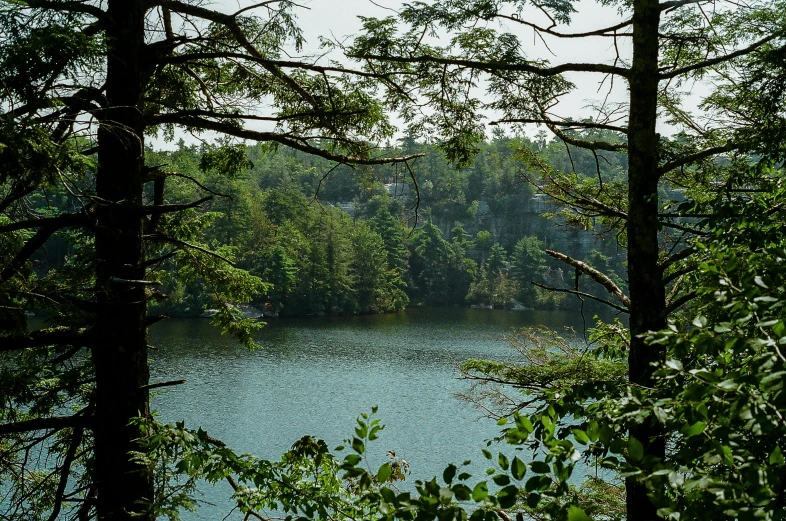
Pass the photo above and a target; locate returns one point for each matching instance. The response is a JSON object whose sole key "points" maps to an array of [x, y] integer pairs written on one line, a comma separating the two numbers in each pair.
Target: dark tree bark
{"points": [[645, 276], [125, 487]]}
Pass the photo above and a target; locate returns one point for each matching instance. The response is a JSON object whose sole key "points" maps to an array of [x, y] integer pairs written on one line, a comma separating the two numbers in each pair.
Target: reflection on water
{"points": [[316, 375]]}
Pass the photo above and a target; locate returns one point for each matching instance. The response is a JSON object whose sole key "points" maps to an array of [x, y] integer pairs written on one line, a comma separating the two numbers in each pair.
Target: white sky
{"points": [[339, 19]]}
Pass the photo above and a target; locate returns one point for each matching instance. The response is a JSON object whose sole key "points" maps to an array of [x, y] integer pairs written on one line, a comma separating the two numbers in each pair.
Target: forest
{"points": [[366, 240], [399, 167]]}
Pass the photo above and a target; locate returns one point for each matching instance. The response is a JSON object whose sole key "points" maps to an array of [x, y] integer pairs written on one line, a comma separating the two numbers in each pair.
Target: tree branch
{"points": [[169, 208], [594, 274], [65, 472], [290, 141], [598, 32], [681, 301], [582, 294], [718, 60], [580, 124], [502, 66], [44, 337], [53, 422], [61, 221], [172, 240], [693, 158], [71, 7]]}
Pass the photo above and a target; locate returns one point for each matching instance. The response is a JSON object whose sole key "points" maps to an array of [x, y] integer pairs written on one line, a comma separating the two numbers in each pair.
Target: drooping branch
{"points": [[582, 294], [594, 274], [231, 23], [27, 250], [288, 140]]}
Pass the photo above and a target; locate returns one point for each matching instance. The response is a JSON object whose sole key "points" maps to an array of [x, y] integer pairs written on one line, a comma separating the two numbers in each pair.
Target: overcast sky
{"points": [[339, 19]]}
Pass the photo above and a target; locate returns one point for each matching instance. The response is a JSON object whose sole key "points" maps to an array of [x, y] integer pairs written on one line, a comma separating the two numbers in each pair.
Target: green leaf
{"points": [[461, 492], [388, 495], [352, 459], [518, 468], [577, 514], [501, 480], [635, 449], [693, 430], [540, 467], [674, 364], [449, 473], [593, 431], [507, 496], [580, 436], [776, 458], [523, 422], [480, 492], [503, 461], [384, 472], [358, 446], [487, 453], [502, 421]]}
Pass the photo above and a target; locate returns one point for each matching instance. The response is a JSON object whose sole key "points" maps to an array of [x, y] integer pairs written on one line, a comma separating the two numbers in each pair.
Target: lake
{"points": [[315, 375]]}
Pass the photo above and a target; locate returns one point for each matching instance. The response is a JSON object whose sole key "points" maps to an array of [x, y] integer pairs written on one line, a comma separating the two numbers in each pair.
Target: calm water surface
{"points": [[316, 375]]}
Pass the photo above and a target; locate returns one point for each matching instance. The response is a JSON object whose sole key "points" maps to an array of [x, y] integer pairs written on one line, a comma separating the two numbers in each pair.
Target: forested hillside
{"points": [[336, 240]]}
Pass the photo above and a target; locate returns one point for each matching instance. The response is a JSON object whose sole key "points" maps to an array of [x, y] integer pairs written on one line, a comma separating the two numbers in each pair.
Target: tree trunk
{"points": [[645, 277], [124, 487]]}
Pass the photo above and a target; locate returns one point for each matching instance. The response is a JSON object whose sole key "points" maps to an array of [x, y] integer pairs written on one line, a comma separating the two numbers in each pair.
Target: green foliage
{"points": [[528, 264]]}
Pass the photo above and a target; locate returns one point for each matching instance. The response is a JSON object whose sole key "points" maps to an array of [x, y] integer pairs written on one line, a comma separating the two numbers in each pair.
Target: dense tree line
{"points": [[360, 241]]}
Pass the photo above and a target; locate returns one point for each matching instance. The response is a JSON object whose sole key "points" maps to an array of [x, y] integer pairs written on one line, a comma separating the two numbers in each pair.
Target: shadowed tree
{"points": [[84, 83], [673, 44]]}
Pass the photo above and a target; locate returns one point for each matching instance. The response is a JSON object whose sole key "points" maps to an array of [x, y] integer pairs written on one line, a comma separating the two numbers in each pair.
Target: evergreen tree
{"points": [[84, 84], [672, 43], [528, 264]]}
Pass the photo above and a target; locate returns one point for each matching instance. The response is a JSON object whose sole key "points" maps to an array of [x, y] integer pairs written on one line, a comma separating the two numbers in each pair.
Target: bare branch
{"points": [[583, 294], [715, 61], [694, 158], [594, 274], [550, 31]]}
